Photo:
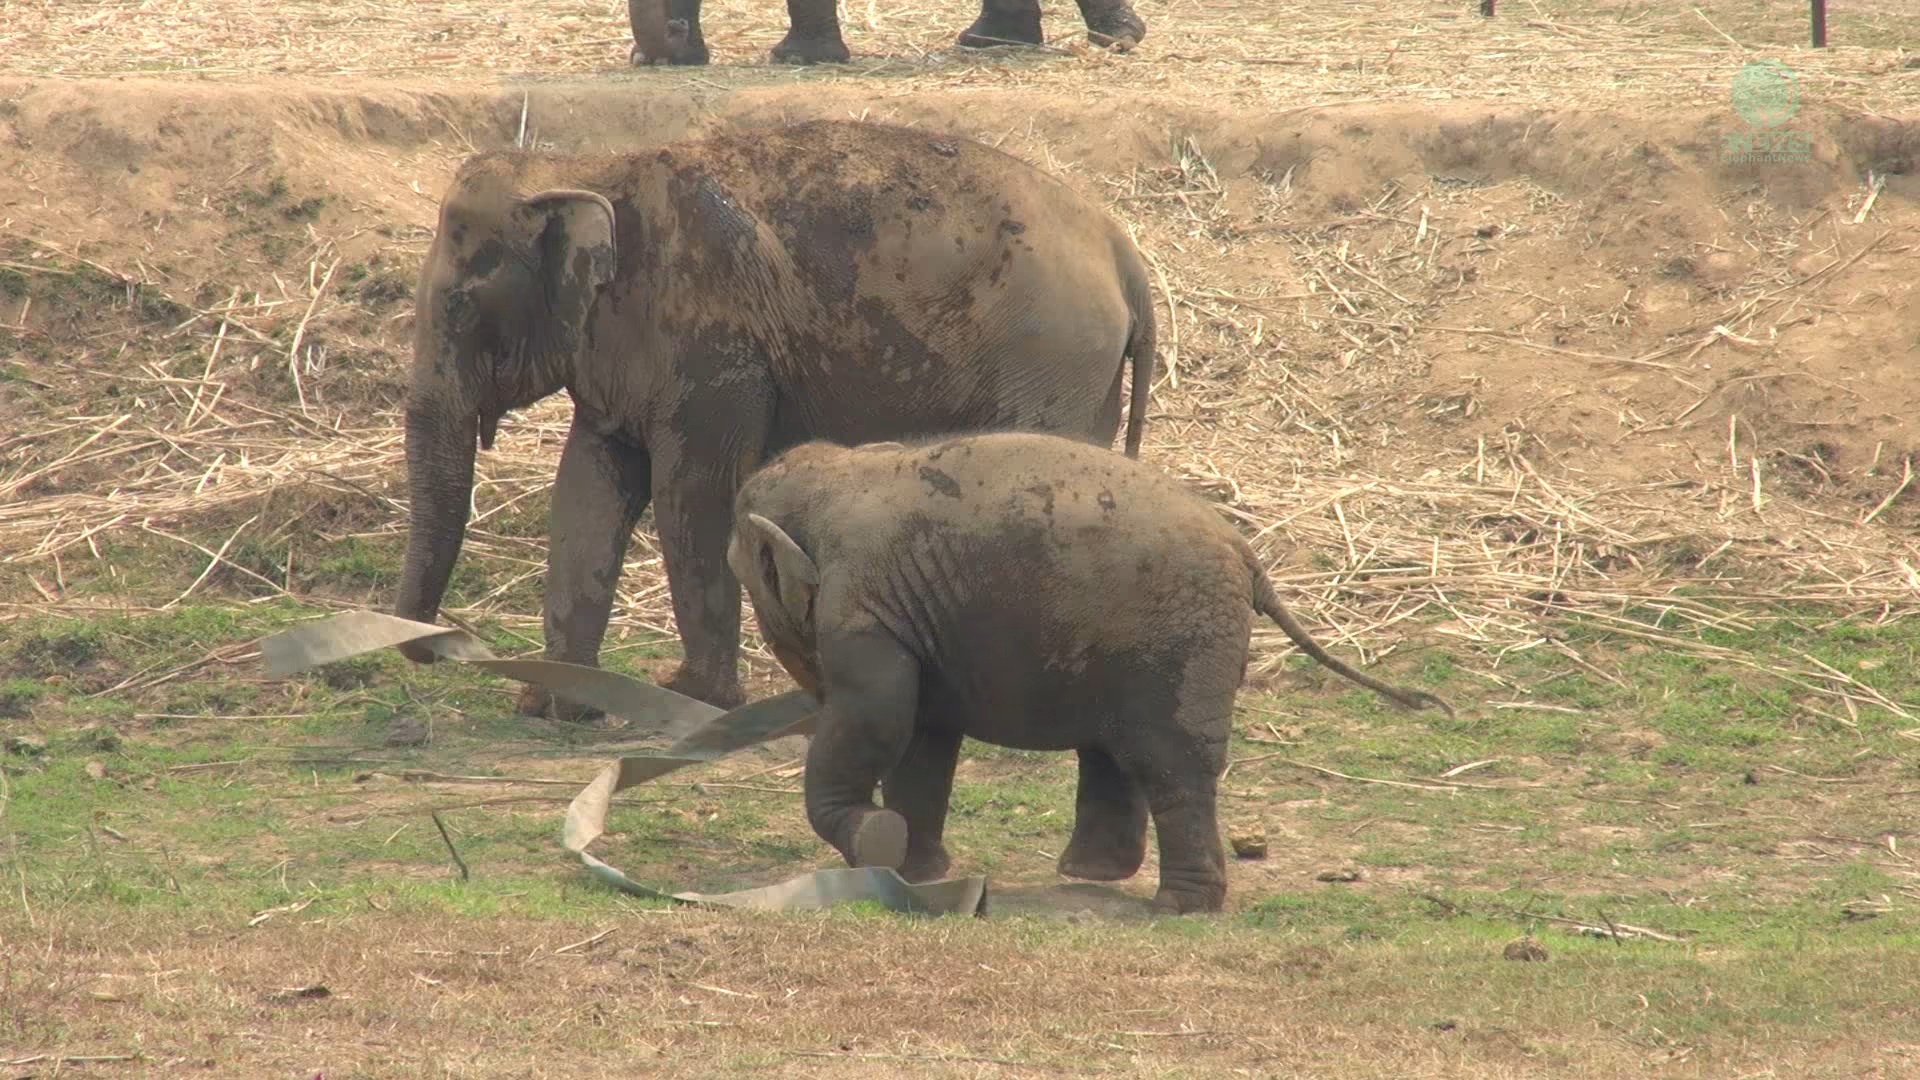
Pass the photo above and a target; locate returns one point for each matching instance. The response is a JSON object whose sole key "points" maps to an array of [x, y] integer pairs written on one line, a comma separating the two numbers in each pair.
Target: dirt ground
{"points": [[1470, 323]]}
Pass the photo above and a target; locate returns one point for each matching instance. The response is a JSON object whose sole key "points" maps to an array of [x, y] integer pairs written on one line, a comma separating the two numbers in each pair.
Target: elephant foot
{"points": [[688, 683], [1189, 902], [1105, 846], [418, 653], [1190, 899], [535, 701], [1111, 24], [683, 48], [880, 839], [925, 865], [1003, 28], [819, 49], [691, 56], [1107, 865], [1120, 42]]}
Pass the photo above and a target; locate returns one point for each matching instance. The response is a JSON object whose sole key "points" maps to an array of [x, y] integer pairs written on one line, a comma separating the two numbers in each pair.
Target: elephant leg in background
{"points": [[694, 483], [1112, 23], [863, 734], [1004, 22], [813, 34], [599, 493], [689, 47], [918, 789], [1109, 822]]}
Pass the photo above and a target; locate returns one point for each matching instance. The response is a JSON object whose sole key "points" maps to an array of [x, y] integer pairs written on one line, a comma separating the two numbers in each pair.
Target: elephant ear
{"points": [[784, 570], [575, 246], [562, 253]]}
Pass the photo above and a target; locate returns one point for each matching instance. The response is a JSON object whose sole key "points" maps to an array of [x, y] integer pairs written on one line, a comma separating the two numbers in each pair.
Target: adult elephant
{"points": [[669, 30], [711, 302]]}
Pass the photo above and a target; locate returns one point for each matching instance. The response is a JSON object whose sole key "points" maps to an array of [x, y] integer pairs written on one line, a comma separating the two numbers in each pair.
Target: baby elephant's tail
{"points": [[1267, 602]]}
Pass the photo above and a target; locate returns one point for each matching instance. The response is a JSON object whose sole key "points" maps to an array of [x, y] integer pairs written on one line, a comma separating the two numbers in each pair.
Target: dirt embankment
{"points": [[1606, 234], [1590, 300]]}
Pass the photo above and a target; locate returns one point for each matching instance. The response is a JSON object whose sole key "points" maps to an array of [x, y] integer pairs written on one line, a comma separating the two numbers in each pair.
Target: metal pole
{"points": [[1819, 24]]}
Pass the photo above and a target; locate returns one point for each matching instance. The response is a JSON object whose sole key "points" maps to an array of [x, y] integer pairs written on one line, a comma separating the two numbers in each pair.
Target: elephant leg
{"points": [[693, 512], [685, 42], [919, 789], [863, 732], [1004, 22], [1174, 751], [813, 34], [1112, 24], [1193, 865], [600, 491], [1109, 822]]}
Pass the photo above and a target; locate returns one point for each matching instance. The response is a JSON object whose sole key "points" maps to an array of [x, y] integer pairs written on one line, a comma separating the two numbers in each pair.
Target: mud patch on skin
{"points": [[940, 482], [833, 241], [1043, 492]]}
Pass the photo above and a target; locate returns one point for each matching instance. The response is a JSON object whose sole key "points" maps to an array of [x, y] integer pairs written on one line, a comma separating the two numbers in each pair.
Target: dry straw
{"points": [[1490, 551], [1271, 54]]}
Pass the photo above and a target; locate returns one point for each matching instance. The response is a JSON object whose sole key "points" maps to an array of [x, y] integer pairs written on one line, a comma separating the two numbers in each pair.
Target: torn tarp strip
{"points": [[703, 733]]}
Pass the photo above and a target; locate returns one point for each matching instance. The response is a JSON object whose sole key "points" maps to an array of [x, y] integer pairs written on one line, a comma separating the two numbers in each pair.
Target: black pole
{"points": [[1819, 24], [1486, 7]]}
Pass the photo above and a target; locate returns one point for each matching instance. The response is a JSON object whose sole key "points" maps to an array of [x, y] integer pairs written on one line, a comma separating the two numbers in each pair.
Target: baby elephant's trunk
{"points": [[1267, 602]]}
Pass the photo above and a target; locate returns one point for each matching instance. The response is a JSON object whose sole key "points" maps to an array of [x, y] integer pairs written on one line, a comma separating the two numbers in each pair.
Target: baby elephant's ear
{"points": [[787, 571]]}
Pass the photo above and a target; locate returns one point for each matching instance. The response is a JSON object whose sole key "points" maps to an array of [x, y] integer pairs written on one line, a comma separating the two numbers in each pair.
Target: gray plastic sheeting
{"points": [[702, 733]]}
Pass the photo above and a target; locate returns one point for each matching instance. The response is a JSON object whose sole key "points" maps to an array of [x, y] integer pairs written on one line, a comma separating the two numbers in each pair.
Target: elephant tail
{"points": [[1141, 350], [1267, 602]]}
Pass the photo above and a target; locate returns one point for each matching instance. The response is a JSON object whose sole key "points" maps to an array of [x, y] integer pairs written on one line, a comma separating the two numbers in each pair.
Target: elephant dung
{"points": [[1524, 949], [1251, 845], [98, 737]]}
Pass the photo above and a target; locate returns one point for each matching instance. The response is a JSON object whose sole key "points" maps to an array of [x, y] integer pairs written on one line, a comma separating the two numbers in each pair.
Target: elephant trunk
{"points": [[440, 453]]}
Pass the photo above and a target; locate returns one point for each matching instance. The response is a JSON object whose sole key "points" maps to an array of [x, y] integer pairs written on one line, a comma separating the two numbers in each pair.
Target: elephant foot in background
{"points": [[1109, 822], [683, 48], [717, 693], [1110, 24], [1109, 858], [544, 704], [812, 41], [1002, 22], [1116, 28]]}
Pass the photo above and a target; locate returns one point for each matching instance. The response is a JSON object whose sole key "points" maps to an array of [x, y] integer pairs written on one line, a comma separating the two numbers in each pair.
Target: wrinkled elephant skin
{"points": [[669, 30], [1023, 590], [708, 303]]}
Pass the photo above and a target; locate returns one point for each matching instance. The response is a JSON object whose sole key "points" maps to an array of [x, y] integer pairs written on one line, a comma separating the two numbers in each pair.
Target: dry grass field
{"points": [[1528, 395]]}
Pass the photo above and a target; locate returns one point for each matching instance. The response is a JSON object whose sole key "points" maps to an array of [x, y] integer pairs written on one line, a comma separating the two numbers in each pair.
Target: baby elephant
{"points": [[1028, 591]]}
